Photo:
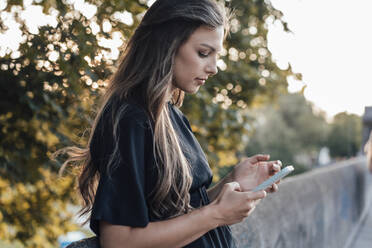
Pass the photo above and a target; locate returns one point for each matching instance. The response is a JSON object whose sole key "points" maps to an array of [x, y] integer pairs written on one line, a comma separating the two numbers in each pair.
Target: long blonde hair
{"points": [[145, 73]]}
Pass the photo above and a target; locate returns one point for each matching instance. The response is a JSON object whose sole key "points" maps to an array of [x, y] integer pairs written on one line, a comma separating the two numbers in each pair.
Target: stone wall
{"points": [[321, 208]]}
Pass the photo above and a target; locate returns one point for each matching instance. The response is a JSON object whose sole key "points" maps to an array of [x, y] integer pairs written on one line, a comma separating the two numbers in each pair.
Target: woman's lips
{"points": [[200, 81]]}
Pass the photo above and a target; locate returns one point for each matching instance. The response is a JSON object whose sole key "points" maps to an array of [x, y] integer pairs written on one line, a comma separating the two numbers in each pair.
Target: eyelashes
{"points": [[202, 55]]}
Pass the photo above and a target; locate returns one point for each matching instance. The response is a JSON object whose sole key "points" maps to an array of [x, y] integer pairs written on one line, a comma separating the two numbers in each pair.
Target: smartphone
{"points": [[279, 175]]}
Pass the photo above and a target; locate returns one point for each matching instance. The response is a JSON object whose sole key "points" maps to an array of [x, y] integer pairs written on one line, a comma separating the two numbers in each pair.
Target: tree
{"points": [[50, 83], [345, 137], [290, 131]]}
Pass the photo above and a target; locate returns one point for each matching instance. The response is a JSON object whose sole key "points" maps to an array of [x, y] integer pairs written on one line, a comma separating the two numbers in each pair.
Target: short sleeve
{"points": [[121, 198]]}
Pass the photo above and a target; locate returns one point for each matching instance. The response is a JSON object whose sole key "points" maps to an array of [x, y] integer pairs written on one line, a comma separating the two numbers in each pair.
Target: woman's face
{"points": [[196, 59]]}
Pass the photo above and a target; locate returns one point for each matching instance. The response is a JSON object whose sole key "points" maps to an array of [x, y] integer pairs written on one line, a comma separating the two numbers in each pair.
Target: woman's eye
{"points": [[203, 55]]}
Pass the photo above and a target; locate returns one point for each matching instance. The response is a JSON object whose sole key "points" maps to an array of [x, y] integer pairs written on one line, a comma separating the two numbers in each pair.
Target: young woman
{"points": [[145, 177]]}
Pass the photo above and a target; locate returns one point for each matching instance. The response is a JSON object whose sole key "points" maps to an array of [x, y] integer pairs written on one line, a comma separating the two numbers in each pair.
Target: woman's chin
{"points": [[193, 90]]}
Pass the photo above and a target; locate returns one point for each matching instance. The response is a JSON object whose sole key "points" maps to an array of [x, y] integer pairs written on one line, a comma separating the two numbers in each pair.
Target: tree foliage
{"points": [[345, 137], [50, 84], [293, 131], [290, 131]]}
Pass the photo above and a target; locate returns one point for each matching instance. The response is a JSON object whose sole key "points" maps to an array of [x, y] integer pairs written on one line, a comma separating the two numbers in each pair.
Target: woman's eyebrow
{"points": [[209, 46]]}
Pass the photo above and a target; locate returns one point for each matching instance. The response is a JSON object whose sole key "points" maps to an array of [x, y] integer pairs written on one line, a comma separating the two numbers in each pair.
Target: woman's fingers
{"points": [[232, 206], [275, 167], [235, 186], [252, 196], [272, 166], [273, 188], [258, 157]]}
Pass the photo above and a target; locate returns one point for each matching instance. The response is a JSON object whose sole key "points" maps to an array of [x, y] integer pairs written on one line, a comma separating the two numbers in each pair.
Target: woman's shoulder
{"points": [[126, 111], [133, 111]]}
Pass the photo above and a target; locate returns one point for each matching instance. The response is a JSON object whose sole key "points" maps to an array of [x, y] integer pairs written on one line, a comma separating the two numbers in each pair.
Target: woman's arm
{"points": [[176, 232], [231, 206]]}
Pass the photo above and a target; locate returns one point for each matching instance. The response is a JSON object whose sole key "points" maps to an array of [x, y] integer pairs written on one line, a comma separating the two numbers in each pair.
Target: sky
{"points": [[331, 45]]}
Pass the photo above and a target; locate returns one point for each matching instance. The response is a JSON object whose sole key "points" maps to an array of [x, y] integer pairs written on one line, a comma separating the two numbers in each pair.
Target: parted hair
{"points": [[145, 73]]}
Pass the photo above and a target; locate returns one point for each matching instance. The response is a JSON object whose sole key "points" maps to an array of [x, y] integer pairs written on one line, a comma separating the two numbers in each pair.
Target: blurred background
{"points": [[293, 82]]}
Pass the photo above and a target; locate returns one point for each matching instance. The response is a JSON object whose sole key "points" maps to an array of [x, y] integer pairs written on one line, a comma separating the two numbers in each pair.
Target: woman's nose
{"points": [[212, 67]]}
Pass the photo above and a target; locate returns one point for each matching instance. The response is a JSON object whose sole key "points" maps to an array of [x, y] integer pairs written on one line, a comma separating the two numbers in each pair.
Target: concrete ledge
{"points": [[321, 208]]}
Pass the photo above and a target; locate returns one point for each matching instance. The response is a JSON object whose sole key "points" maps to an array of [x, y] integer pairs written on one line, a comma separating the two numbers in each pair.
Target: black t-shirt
{"points": [[122, 197]]}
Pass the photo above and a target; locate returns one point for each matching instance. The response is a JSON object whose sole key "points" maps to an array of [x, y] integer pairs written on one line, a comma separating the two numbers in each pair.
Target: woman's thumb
{"points": [[235, 186]]}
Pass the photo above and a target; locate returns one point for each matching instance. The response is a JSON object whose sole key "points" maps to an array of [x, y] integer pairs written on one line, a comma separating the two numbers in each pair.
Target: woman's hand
{"points": [[254, 170], [232, 205]]}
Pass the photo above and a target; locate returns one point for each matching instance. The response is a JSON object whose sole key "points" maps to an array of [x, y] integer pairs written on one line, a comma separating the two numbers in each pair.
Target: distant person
{"points": [[145, 178], [368, 151]]}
